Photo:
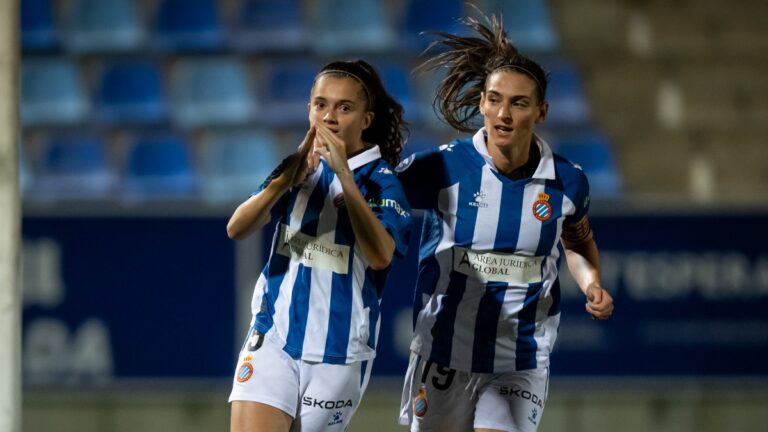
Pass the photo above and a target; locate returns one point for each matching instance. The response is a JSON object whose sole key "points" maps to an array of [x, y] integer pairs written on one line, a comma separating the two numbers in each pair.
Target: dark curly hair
{"points": [[388, 129], [469, 62]]}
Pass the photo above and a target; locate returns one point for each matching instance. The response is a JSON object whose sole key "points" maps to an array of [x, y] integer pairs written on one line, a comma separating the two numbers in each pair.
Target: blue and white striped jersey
{"points": [[317, 292], [488, 297]]}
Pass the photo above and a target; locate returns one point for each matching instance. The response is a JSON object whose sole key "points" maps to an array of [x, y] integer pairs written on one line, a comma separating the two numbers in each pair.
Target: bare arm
{"points": [[583, 260], [375, 242], [253, 214]]}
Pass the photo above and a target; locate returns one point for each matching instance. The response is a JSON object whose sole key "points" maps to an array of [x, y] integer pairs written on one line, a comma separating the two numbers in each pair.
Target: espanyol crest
{"points": [[542, 210]]}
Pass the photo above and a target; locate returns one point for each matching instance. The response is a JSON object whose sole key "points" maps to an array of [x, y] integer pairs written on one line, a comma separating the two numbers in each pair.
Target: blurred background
{"points": [[145, 122]]}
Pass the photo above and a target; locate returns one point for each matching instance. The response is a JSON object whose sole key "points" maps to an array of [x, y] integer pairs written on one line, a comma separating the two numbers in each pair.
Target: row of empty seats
{"points": [[226, 90], [85, 26], [199, 99], [220, 166]]}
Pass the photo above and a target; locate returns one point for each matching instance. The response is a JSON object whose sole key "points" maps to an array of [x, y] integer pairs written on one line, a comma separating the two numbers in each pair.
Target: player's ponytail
{"points": [[469, 62]]}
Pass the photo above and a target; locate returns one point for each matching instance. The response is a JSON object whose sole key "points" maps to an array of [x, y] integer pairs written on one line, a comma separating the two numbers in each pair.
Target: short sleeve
{"points": [[389, 204], [577, 189]]}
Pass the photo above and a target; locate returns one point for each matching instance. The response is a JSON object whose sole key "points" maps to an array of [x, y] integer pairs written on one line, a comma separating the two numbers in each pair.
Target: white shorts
{"points": [[436, 398], [319, 396]]}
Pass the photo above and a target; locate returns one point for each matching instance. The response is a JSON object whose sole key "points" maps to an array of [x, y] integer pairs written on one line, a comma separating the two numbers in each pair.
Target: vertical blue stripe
{"points": [[549, 228], [429, 270], [274, 272], [525, 354], [316, 201], [508, 229], [555, 308], [488, 312], [363, 369], [299, 309], [340, 308], [340, 314], [371, 296], [298, 312], [442, 330], [339, 320]]}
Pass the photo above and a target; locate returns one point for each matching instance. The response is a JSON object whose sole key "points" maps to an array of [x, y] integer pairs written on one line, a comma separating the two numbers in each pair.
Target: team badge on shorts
{"points": [[542, 210], [245, 372], [420, 403]]}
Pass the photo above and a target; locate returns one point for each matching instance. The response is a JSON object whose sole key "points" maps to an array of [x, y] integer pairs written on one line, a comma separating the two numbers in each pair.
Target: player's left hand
{"points": [[599, 302], [332, 149]]}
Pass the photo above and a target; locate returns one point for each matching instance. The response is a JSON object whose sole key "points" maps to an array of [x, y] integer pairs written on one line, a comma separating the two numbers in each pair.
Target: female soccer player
{"points": [[341, 215], [497, 207]]}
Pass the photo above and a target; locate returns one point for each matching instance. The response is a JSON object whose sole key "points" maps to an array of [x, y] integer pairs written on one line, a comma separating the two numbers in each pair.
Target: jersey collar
{"points": [[363, 158], [546, 168]]}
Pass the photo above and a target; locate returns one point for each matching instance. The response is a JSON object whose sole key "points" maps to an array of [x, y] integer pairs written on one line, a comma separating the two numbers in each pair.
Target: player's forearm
{"points": [[253, 214], [370, 235], [584, 263]]}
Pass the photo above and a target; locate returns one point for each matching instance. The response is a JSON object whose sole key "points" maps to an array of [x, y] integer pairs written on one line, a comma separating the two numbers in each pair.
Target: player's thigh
{"points": [[436, 398], [266, 375], [330, 395], [258, 417], [513, 401]]}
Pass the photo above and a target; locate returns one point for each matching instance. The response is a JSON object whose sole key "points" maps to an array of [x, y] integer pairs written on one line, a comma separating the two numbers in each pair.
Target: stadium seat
{"points": [[188, 25], [527, 22], [73, 167], [131, 92], [268, 25], [159, 165], [568, 105], [38, 26], [361, 28], [235, 163], [209, 92], [26, 179], [592, 151], [397, 81], [429, 16], [104, 25], [52, 92], [285, 88]]}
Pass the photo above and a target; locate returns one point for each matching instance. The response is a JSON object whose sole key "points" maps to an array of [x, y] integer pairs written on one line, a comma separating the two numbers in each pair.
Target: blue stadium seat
{"points": [[268, 25], [235, 163], [568, 105], [159, 165], [73, 167], [52, 92], [528, 23], [593, 152], [26, 179], [38, 25], [397, 81], [188, 25], [131, 92], [426, 84], [429, 16], [210, 92], [104, 25], [362, 27], [285, 91]]}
